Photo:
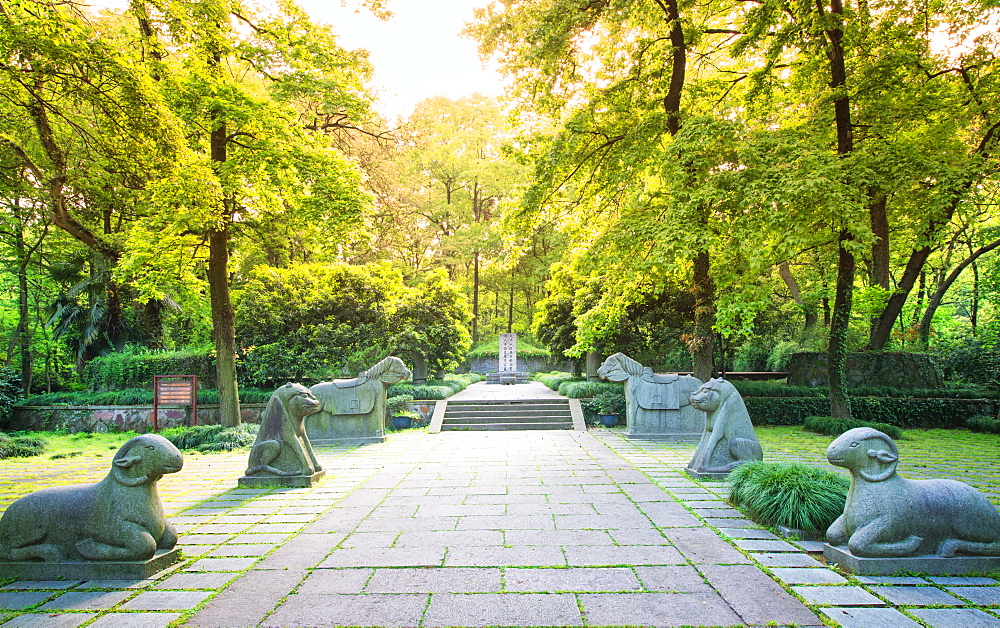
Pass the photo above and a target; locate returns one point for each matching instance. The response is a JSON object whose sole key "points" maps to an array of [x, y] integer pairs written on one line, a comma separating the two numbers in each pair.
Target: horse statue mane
{"points": [[619, 367]]}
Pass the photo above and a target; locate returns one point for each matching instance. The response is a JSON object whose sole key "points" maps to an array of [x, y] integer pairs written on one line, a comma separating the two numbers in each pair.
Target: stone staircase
{"points": [[529, 414]]}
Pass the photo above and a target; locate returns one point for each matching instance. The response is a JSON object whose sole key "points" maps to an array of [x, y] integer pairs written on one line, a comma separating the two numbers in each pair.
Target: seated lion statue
{"points": [[282, 447]]}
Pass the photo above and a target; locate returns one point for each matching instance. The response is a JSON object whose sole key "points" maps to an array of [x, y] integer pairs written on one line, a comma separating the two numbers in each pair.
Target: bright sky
{"points": [[417, 53]]}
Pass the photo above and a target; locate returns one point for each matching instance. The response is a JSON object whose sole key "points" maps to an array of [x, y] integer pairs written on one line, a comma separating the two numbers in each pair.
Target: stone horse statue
{"points": [[353, 410], [656, 406]]}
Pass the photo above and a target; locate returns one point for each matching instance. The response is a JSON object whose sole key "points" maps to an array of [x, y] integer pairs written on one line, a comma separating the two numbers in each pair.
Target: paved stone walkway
{"points": [[552, 528]]}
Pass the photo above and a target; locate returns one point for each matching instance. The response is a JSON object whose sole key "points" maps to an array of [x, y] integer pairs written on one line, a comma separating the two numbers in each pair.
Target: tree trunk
{"points": [[837, 349], [701, 343], [944, 285], [878, 274], [796, 292], [223, 319], [475, 297]]}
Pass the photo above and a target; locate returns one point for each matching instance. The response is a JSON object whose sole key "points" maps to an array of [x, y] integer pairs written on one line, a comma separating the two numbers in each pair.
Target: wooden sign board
{"points": [[175, 390]]}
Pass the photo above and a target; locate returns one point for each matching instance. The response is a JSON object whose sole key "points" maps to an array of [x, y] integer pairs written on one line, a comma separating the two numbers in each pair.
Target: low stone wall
{"points": [[529, 365], [895, 370], [117, 418], [74, 419]]}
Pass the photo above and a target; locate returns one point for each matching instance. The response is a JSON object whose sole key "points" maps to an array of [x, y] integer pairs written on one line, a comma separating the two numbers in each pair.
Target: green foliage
{"points": [[983, 424], [134, 369], [606, 402], [832, 426], [21, 446], [788, 494], [212, 437], [526, 348], [432, 319], [580, 390], [305, 321], [784, 410], [748, 388], [434, 389], [555, 379], [134, 397], [970, 360], [10, 392], [396, 404]]}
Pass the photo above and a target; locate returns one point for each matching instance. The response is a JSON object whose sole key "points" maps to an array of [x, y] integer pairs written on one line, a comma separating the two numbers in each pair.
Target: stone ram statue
{"points": [[656, 406], [728, 439], [282, 447], [353, 410], [889, 516], [119, 518]]}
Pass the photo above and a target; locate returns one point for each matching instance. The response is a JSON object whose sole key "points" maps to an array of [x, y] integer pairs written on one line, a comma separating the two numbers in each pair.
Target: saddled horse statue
{"points": [[353, 410], [656, 406]]}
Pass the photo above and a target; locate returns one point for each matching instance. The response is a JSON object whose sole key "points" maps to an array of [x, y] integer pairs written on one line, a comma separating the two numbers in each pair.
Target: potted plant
{"points": [[397, 407], [609, 406], [404, 420]]}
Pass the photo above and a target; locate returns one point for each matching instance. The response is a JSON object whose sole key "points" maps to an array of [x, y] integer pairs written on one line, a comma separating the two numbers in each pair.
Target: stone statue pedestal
{"points": [[280, 481], [930, 564], [709, 475], [91, 569]]}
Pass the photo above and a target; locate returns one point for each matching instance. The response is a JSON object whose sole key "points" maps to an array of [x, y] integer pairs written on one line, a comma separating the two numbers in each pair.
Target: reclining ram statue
{"points": [[119, 518]]}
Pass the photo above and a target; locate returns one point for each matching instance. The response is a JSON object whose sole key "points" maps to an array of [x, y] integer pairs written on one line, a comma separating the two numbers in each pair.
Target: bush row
{"points": [[133, 397], [435, 389], [832, 426], [118, 371], [902, 412], [212, 437]]}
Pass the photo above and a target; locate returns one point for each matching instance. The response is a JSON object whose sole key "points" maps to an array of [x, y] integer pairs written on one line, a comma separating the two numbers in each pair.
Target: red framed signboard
{"points": [[175, 390]]}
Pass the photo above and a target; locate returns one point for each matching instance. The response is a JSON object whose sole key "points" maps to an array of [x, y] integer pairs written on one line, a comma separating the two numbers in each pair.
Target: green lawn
{"points": [[957, 454]]}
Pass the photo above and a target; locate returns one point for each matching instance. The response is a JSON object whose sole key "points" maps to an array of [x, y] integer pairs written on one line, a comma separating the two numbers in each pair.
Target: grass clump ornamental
{"points": [[788, 494]]}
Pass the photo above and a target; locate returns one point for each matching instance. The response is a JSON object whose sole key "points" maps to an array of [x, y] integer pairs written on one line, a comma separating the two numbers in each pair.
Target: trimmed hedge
{"points": [[983, 424], [556, 378], [831, 426], [898, 411], [134, 397], [118, 371], [581, 390]]}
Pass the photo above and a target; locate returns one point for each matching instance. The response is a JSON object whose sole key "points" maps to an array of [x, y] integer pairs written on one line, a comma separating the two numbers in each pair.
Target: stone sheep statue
{"points": [[729, 439], [656, 406], [353, 410], [889, 516], [282, 447], [119, 518]]}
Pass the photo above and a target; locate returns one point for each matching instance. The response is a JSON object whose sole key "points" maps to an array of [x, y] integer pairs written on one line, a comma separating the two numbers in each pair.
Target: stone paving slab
{"points": [[615, 530]]}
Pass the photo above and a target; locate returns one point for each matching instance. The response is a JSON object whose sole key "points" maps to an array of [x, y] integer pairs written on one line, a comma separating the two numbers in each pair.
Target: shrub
{"points": [[212, 437], [118, 371], [794, 495], [556, 378], [985, 424], [835, 427], [10, 392], [397, 404], [581, 390], [135, 397], [607, 402], [21, 446]]}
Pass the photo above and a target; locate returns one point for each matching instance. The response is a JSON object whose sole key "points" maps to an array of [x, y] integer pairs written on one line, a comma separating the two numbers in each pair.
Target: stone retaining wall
{"points": [[894, 370], [529, 365], [117, 418]]}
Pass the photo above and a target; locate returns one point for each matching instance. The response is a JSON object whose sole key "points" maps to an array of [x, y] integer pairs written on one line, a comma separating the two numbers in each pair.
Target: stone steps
{"points": [[536, 414]]}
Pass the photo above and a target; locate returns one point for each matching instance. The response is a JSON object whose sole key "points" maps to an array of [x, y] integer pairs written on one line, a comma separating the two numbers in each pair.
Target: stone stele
{"points": [[353, 410], [282, 455], [113, 529], [891, 524], [656, 406], [728, 439]]}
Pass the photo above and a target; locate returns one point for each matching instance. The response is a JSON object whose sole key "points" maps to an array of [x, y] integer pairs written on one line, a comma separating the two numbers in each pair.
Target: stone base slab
{"points": [[712, 476], [680, 437], [285, 481], [927, 563], [91, 569], [358, 440]]}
